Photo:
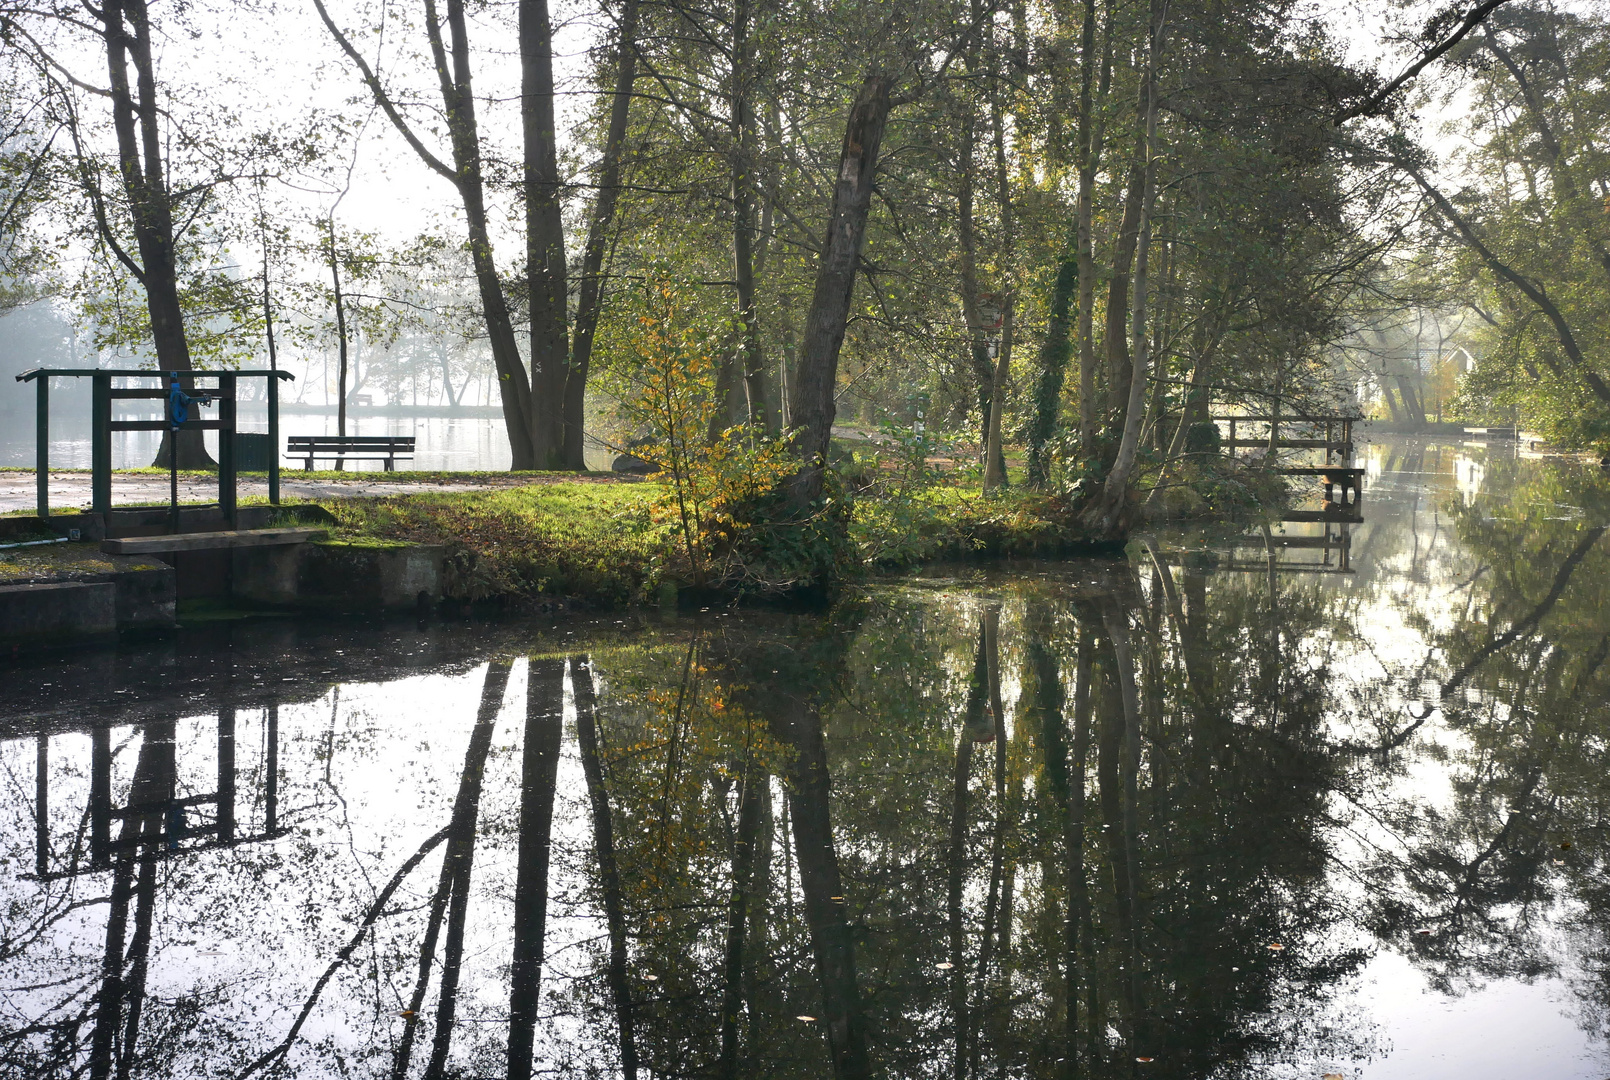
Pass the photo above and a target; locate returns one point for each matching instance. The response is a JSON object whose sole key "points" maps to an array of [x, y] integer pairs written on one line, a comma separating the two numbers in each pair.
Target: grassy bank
{"points": [[597, 539], [607, 544], [612, 544]]}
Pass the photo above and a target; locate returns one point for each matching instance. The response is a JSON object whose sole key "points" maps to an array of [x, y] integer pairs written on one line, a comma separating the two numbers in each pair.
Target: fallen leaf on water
{"points": [[807, 1019], [1424, 931], [1559, 862], [1333, 1076], [1565, 845], [944, 966], [406, 1013], [651, 978], [1143, 1060], [1276, 946]]}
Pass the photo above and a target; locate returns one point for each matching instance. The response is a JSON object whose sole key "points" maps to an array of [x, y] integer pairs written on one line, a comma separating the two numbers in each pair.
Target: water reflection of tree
{"points": [[1480, 886], [1039, 832], [1134, 855]]}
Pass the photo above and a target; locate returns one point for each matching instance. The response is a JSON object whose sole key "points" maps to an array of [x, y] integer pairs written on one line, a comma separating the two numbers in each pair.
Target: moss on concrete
{"points": [[66, 562]]}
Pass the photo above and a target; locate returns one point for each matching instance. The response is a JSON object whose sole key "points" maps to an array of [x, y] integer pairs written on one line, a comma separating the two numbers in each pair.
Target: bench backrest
{"points": [[325, 443]]}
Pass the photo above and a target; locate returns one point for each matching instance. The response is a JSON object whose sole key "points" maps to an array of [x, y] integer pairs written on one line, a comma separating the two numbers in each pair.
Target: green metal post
{"points": [[274, 439], [101, 445], [42, 445], [226, 446]]}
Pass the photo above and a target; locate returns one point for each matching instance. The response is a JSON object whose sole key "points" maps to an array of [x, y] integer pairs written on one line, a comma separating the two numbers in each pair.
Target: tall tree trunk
{"points": [[144, 829], [1110, 519], [340, 339], [545, 237], [589, 301], [797, 725], [956, 879], [812, 405], [1126, 872], [460, 859], [609, 879], [994, 452], [268, 305], [458, 100], [974, 729], [738, 909], [544, 728], [1092, 138], [1046, 705], [1116, 330], [742, 162], [135, 113], [972, 292], [1055, 349], [465, 175]]}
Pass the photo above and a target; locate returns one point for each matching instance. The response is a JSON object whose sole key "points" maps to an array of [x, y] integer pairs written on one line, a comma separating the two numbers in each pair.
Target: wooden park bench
{"points": [[387, 448]]}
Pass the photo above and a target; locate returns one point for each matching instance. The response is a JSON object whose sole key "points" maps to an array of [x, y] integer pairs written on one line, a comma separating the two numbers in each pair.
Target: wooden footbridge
{"points": [[1343, 481]]}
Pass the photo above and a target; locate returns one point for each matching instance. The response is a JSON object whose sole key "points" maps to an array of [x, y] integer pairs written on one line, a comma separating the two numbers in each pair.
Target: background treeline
{"points": [[1088, 220]]}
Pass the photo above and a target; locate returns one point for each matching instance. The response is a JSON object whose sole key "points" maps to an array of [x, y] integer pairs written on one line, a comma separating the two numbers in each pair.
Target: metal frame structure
{"points": [[102, 425]]}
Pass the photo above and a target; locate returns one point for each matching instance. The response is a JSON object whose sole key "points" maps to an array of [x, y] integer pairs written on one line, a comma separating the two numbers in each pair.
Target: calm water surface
{"points": [[1230, 807]]}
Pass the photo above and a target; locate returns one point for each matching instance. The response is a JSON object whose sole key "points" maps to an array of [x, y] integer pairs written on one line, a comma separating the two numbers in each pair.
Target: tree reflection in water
{"points": [[1077, 820]]}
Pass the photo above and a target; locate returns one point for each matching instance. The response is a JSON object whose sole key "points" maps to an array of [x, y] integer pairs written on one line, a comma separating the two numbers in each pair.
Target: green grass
{"points": [[948, 521], [601, 542], [577, 539], [558, 534]]}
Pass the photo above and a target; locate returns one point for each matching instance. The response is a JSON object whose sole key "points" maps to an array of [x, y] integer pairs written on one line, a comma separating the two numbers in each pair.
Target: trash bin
{"points": [[253, 451]]}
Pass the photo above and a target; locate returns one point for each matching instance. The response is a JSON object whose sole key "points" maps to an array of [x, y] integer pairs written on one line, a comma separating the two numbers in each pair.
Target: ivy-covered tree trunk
{"points": [[1055, 350]]}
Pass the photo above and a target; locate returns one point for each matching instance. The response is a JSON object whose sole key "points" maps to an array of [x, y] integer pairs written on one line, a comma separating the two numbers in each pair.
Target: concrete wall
{"points": [[56, 613], [339, 577]]}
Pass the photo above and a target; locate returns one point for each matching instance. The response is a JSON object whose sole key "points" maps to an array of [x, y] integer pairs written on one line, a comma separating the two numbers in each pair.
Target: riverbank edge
{"points": [[538, 547]]}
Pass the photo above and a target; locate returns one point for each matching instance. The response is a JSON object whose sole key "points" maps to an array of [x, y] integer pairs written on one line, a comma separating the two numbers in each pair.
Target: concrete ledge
{"points": [[339, 577], [212, 541], [57, 612], [145, 599]]}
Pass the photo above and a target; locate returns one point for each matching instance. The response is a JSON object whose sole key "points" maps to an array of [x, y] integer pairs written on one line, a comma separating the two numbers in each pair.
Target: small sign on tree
{"points": [[991, 312]]}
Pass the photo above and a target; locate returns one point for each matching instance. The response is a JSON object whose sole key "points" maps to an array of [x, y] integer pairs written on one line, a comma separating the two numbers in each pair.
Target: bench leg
{"points": [[309, 466], [391, 464]]}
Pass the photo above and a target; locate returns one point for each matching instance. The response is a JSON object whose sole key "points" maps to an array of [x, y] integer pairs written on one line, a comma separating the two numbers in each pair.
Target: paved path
{"points": [[69, 489]]}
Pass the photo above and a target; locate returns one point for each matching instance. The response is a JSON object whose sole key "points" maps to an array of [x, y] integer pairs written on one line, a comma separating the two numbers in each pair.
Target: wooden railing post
{"points": [[274, 439], [100, 459], [42, 444], [226, 446]]}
